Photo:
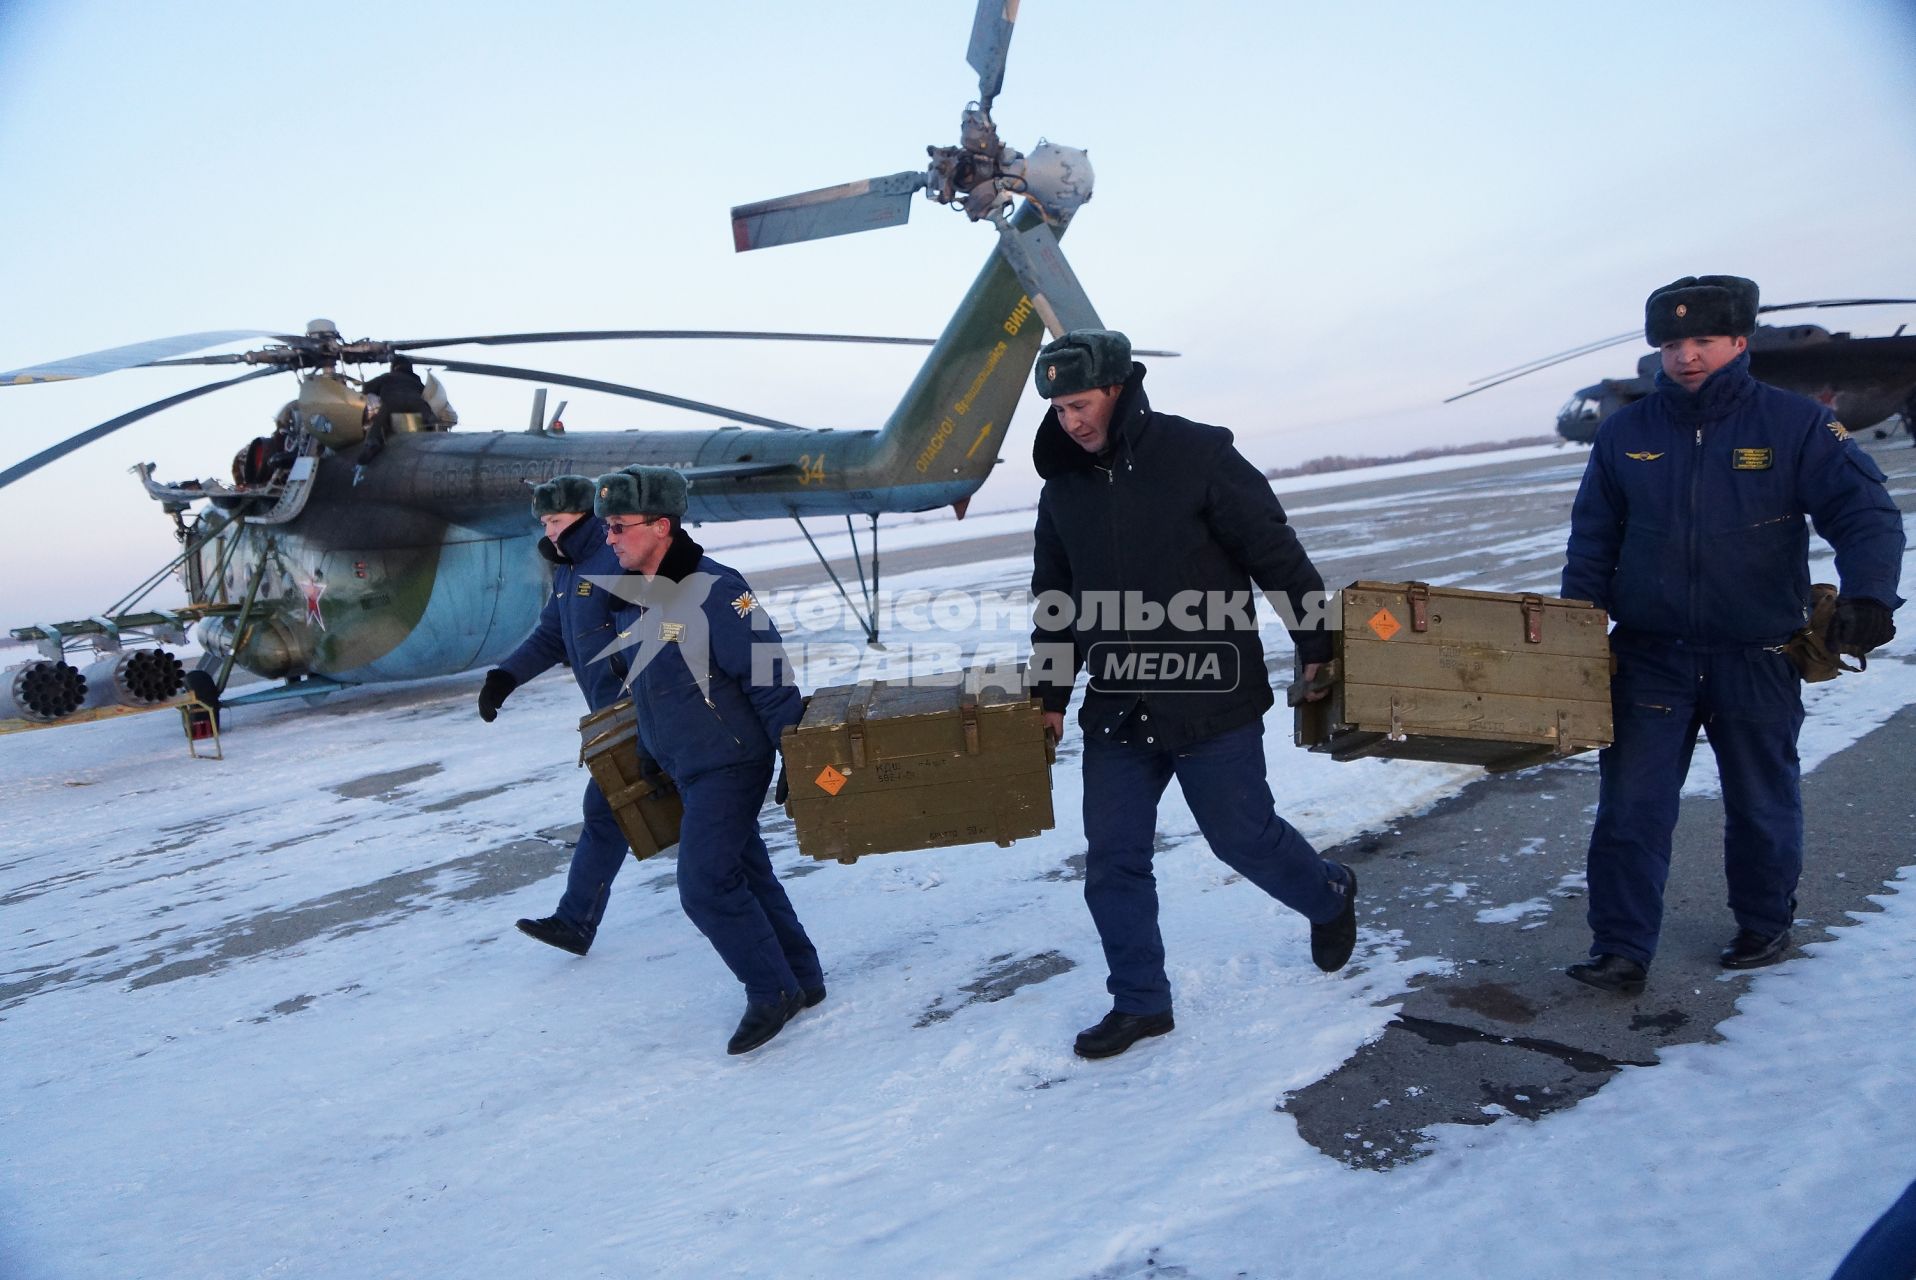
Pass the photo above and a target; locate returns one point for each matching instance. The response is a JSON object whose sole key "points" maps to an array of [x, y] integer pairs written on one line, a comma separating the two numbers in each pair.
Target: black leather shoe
{"points": [[1611, 973], [1119, 1031], [1333, 941], [555, 932], [763, 1021], [1749, 950], [814, 996]]}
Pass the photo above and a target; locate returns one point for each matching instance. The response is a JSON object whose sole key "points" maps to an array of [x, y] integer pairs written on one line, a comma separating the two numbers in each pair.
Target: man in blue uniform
{"points": [[1151, 531], [573, 628], [1689, 529], [710, 687]]}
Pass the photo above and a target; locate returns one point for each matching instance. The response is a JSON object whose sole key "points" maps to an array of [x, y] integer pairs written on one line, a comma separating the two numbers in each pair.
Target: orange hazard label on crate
{"points": [[1384, 624], [830, 781]]}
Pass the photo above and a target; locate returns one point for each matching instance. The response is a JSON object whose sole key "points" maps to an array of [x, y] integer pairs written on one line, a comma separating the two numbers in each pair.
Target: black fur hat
{"points": [[563, 495], [1081, 360], [1699, 306], [640, 491]]}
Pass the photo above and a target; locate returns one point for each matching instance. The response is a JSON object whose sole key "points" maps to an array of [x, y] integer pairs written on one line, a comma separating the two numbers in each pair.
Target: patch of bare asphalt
{"points": [[1007, 975], [1072, 869], [1502, 1032], [489, 873], [384, 786], [463, 798]]}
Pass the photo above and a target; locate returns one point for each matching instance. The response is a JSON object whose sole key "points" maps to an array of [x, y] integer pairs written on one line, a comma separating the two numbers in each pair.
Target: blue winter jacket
{"points": [[710, 681], [1689, 522], [576, 622]]}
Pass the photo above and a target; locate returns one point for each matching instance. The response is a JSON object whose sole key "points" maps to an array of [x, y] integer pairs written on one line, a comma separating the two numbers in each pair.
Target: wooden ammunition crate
{"points": [[1468, 677], [649, 817], [885, 768]]}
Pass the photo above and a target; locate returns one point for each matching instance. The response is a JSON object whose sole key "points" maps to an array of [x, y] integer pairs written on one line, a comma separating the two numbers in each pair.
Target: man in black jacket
{"points": [[398, 390], [1151, 532]]}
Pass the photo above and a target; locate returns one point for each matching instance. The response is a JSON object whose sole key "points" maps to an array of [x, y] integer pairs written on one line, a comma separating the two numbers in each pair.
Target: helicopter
{"points": [[1865, 381], [319, 573]]}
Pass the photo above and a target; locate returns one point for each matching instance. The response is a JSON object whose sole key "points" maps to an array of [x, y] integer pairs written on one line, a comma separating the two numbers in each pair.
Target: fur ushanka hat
{"points": [[1699, 306], [1081, 360], [640, 491], [563, 495]]}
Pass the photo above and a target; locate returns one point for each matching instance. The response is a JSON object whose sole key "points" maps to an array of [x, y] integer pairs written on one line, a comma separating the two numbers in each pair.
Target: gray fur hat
{"points": [[563, 495], [1699, 307], [640, 491], [1081, 360]]}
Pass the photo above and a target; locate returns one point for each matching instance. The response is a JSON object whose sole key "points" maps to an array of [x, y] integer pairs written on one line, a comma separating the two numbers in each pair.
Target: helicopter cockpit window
{"points": [[1580, 409]]}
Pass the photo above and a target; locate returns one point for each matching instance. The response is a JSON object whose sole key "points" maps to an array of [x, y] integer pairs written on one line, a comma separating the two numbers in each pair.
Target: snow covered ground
{"points": [[268, 1016]]}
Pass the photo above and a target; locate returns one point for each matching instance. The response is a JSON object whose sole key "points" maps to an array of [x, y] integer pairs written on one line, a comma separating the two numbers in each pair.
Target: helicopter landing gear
{"points": [[868, 619]]}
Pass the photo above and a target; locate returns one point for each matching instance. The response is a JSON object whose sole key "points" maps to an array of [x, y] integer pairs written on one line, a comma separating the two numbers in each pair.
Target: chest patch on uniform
{"points": [[1643, 457], [1383, 624], [585, 588], [671, 632], [1750, 459], [1838, 430]]}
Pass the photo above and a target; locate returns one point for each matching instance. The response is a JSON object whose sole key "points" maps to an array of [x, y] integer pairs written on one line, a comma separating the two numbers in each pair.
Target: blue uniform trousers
{"points": [[1751, 701], [728, 889], [1887, 1250], [596, 859], [1223, 781]]}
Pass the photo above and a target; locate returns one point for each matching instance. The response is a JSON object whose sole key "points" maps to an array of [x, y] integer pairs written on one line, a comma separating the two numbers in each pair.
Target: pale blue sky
{"points": [[1340, 213]]}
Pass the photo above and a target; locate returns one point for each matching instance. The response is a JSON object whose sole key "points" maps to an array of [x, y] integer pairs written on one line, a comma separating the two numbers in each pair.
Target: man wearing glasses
{"points": [[574, 628], [710, 686]]}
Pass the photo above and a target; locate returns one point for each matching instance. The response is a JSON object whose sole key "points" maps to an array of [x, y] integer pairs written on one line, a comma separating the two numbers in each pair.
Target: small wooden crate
{"points": [[1467, 677], [609, 746], [886, 768]]}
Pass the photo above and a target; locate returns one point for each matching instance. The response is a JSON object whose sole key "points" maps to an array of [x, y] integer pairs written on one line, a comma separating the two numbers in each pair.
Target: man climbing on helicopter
{"points": [[398, 390]]}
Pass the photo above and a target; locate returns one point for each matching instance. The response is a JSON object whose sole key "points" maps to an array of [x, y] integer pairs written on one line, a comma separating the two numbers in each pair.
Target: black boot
{"points": [[1119, 1031], [1611, 973], [1749, 950], [555, 932], [1333, 941], [763, 1021], [814, 995]]}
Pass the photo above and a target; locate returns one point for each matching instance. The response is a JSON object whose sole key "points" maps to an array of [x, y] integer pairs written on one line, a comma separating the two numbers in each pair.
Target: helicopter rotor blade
{"points": [[827, 211], [990, 41], [133, 356], [1833, 302], [1545, 362], [1540, 366], [1039, 263], [651, 335], [610, 388], [712, 335], [58, 451]]}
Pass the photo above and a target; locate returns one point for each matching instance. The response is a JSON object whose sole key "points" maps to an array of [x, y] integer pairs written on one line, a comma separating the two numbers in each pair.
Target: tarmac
{"points": [[1497, 1030]]}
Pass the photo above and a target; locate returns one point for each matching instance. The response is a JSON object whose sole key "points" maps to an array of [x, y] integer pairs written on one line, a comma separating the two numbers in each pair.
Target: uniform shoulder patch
{"points": [[744, 604], [1643, 457], [1838, 430]]}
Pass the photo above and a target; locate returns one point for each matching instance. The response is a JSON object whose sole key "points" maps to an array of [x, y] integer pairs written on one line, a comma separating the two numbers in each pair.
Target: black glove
{"points": [[782, 791], [1860, 624], [498, 684]]}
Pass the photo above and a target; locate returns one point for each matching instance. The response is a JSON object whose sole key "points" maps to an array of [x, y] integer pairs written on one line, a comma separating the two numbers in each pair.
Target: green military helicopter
{"points": [[427, 565]]}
